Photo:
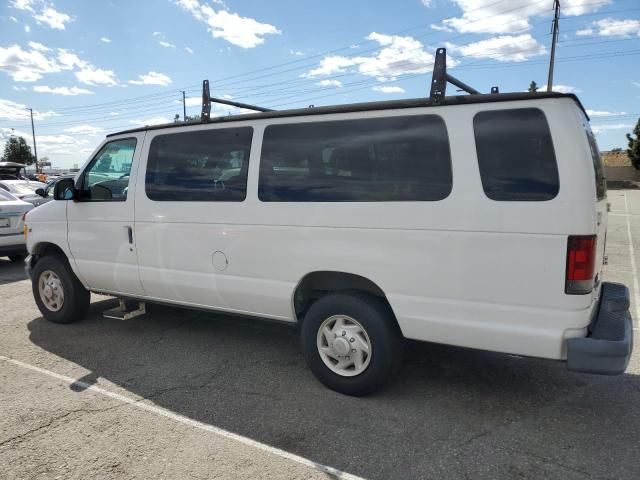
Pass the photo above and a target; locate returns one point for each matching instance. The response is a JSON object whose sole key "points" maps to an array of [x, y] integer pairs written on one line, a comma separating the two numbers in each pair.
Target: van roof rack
{"points": [[440, 79], [207, 100]]}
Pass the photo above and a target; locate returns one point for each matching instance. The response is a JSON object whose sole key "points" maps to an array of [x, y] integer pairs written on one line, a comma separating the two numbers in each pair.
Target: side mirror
{"points": [[65, 190], [40, 191]]}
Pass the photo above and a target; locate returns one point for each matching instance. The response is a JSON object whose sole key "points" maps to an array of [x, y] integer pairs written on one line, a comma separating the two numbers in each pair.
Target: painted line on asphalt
{"points": [[634, 272], [163, 412]]}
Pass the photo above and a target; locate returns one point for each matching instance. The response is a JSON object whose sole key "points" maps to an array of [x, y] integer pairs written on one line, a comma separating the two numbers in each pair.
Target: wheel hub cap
{"points": [[344, 345], [51, 290]]}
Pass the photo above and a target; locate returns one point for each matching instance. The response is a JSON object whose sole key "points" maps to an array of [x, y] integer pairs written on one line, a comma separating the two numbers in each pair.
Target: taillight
{"points": [[581, 262]]}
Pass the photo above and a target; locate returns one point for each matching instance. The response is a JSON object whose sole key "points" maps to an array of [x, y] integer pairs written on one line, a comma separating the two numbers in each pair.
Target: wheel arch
{"points": [[314, 285]]}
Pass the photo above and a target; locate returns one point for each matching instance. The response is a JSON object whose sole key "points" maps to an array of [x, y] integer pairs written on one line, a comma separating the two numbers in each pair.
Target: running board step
{"points": [[126, 310]]}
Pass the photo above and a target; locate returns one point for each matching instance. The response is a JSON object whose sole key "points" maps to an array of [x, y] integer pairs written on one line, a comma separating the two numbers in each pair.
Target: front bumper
{"points": [[607, 347]]}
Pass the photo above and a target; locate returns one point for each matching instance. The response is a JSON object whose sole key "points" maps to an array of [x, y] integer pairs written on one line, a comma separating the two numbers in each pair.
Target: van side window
{"points": [[370, 160], [515, 155], [202, 166], [596, 158], [106, 179]]}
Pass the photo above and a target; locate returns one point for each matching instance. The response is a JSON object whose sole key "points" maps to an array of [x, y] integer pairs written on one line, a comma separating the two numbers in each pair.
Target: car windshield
{"points": [[20, 188], [6, 196]]}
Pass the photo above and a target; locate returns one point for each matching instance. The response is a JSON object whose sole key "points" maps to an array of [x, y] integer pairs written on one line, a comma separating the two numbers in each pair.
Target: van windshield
{"points": [[601, 182]]}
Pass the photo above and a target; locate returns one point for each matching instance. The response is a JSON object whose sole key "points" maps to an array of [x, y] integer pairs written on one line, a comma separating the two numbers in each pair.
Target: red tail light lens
{"points": [[581, 262]]}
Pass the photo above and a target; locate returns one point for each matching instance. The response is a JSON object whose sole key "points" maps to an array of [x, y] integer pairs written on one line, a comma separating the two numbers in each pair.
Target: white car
{"points": [[12, 242], [24, 190], [476, 221]]}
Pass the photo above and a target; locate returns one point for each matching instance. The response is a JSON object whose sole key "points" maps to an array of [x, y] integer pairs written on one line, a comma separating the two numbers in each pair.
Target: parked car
{"points": [[24, 190], [12, 241], [478, 221], [12, 171]]}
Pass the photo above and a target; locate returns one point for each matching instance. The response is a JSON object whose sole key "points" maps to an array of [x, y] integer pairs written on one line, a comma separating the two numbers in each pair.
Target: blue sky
{"points": [[88, 68]]}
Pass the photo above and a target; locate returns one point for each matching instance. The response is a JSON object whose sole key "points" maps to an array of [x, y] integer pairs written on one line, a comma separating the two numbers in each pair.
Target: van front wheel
{"points": [[351, 342], [60, 296]]}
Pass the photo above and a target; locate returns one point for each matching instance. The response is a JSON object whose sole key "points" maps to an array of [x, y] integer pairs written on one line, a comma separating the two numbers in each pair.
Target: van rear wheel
{"points": [[60, 296], [351, 342]]}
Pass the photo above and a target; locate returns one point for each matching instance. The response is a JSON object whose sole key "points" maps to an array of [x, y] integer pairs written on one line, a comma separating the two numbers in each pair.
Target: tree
{"points": [[634, 146], [533, 86], [17, 150]]}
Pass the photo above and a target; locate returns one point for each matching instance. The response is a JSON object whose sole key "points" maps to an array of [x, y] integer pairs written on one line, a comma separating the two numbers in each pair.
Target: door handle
{"points": [[130, 234]]}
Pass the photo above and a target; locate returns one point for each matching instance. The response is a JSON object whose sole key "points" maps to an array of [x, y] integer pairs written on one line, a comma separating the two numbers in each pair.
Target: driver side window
{"points": [[106, 179]]}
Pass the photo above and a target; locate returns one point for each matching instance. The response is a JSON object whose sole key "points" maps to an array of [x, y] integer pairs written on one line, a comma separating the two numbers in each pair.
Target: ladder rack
{"points": [[207, 100]]}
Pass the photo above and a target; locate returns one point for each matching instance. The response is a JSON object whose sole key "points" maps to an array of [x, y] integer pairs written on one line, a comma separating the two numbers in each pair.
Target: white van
{"points": [[477, 221]]}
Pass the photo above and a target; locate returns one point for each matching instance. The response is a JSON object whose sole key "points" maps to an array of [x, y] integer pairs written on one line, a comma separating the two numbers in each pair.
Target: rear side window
{"points": [[515, 155], [369, 160], [601, 182], [203, 166]]}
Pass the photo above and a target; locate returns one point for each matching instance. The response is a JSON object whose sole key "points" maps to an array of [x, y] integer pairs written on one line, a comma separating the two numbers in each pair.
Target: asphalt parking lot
{"points": [[184, 394]]}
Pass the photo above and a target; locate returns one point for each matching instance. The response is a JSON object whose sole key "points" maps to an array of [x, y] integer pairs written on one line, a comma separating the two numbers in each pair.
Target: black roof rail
{"points": [[440, 79], [207, 100]]}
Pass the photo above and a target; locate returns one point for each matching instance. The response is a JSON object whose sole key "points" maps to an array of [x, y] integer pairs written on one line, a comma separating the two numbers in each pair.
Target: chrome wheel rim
{"points": [[51, 290], [344, 345]]}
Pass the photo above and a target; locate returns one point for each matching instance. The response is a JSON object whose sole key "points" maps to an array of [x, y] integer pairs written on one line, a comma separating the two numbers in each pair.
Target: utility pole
{"points": [[554, 40], [184, 107], [33, 132]]}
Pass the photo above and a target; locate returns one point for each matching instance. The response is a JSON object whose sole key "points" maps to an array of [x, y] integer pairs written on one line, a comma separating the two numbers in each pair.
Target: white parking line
{"points": [[636, 288], [187, 421]]}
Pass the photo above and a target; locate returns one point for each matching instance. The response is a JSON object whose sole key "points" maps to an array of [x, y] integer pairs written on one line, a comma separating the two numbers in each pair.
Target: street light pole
{"points": [[35, 149], [554, 40]]}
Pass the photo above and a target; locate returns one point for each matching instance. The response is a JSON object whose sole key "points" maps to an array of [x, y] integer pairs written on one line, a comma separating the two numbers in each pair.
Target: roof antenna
{"points": [[441, 77]]}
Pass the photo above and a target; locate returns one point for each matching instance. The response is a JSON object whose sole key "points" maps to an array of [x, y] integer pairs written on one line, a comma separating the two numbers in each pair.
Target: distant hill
{"points": [[616, 159]]}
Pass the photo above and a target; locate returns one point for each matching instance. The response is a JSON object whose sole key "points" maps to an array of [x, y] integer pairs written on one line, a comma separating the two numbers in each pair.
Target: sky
{"points": [[88, 68]]}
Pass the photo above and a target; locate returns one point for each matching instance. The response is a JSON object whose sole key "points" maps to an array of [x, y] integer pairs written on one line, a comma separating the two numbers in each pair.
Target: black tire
{"points": [[16, 258], [76, 297], [381, 327]]}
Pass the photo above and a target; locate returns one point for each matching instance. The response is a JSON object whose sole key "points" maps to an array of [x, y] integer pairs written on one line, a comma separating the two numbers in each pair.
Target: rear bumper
{"points": [[607, 347]]}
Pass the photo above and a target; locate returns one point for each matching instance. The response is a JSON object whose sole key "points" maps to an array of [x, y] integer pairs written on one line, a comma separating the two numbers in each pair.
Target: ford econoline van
{"points": [[478, 221]]}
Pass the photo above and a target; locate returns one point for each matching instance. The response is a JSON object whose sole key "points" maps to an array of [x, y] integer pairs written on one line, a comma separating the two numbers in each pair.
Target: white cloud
{"points": [[192, 101], [14, 19], [23, 5], [427, 3], [388, 89], [166, 44], [244, 32], [400, 56], [441, 28], [10, 110], [25, 65], [31, 64], [560, 88], [96, 76], [296, 53], [610, 27], [51, 17], [27, 28], [66, 91], [489, 16], [329, 83], [105, 40], [152, 78], [585, 31], [84, 130], [150, 121], [602, 113], [615, 126], [39, 47], [189, 50], [504, 48], [19, 89], [157, 34]]}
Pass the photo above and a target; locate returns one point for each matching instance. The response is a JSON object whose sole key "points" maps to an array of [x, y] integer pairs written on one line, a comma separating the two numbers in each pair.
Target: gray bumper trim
{"points": [[607, 348]]}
